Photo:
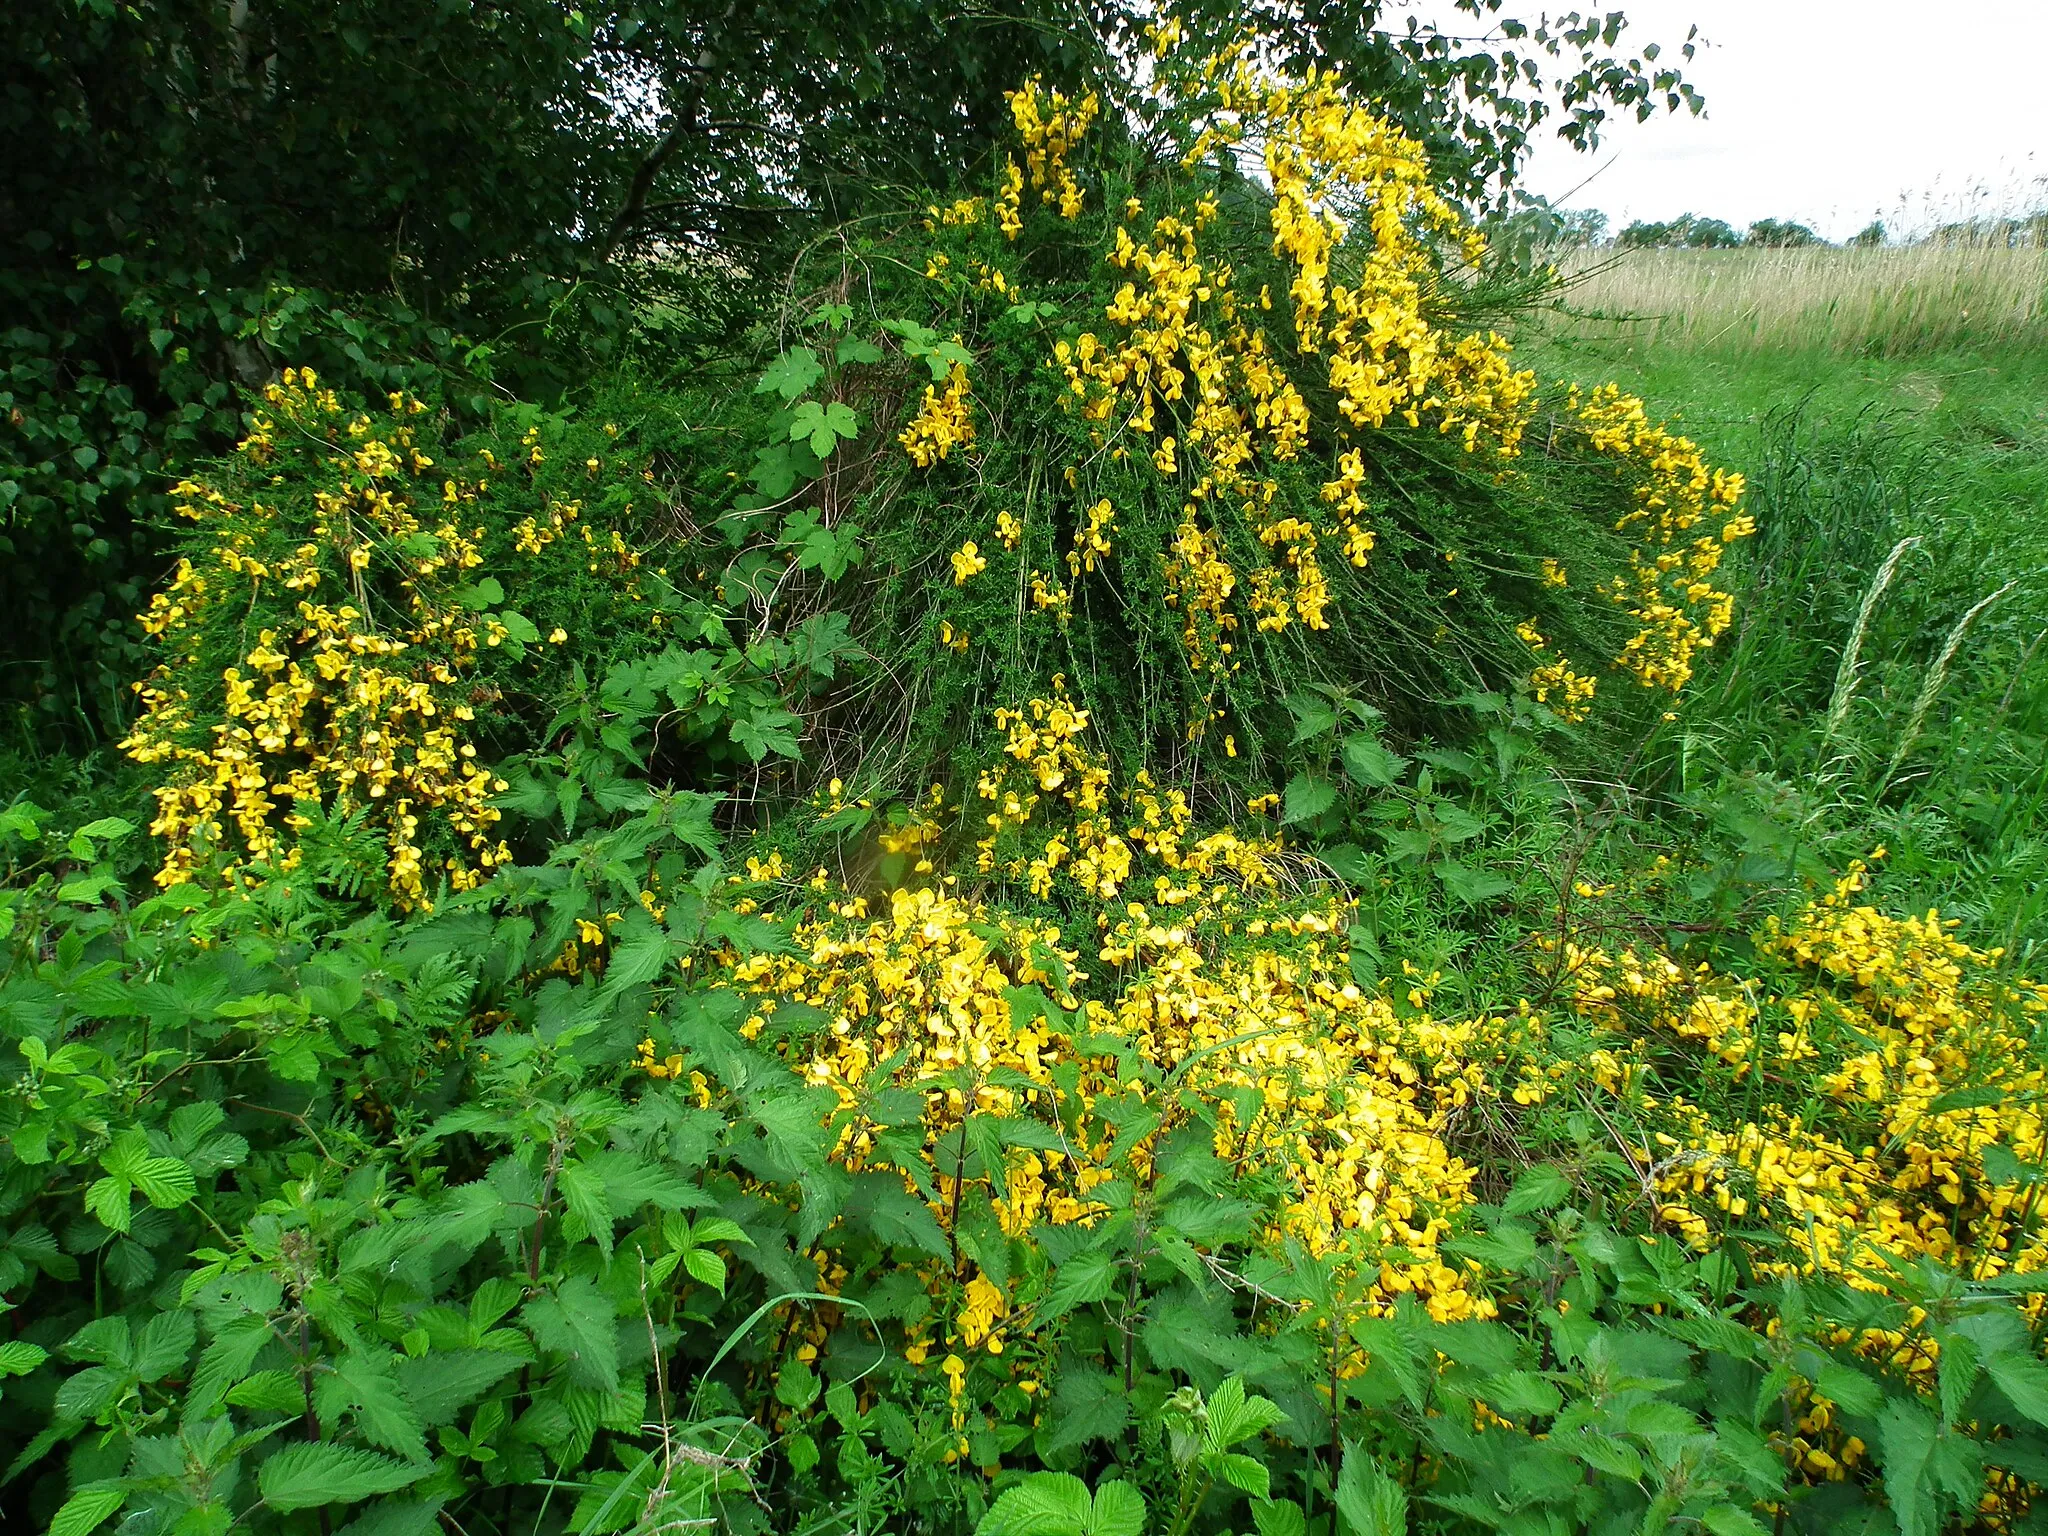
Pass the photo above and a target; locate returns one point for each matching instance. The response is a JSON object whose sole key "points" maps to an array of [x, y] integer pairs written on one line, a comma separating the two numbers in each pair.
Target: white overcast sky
{"points": [[1830, 112]]}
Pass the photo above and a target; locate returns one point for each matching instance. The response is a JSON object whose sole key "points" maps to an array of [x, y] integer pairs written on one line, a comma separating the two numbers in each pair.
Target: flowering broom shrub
{"points": [[1020, 954]]}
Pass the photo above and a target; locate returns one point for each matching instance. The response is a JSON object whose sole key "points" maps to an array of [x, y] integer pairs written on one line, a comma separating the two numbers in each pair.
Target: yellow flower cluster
{"points": [[1050, 126], [1554, 682], [1685, 516], [1334, 1097], [1920, 1049], [943, 423], [1186, 375], [337, 710]]}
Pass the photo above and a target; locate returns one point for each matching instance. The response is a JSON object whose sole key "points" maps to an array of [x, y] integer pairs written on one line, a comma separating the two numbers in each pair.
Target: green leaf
{"points": [[1470, 886], [795, 371], [1308, 796], [857, 349], [1086, 1277], [164, 1345], [487, 593], [1233, 1416], [706, 1266], [166, 1182], [823, 426], [796, 1385], [268, 1392], [440, 1385], [1905, 1438], [382, 1414], [1247, 1474], [1369, 1503], [86, 1510], [1044, 1504], [1370, 764], [18, 1358], [109, 1200], [306, 1476], [1541, 1188], [577, 1323], [583, 1193], [1849, 1388], [2024, 1381], [1119, 1510], [803, 1453], [1728, 1520]]}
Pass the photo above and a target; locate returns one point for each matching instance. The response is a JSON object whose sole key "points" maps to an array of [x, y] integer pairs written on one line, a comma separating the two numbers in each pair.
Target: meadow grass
{"points": [[1932, 740], [1886, 302]]}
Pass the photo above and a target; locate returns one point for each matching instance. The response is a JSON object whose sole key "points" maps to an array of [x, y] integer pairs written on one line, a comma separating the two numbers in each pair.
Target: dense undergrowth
{"points": [[1077, 896]]}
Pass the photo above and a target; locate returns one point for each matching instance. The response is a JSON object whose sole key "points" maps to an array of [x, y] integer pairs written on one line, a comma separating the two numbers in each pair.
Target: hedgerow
{"points": [[1010, 923]]}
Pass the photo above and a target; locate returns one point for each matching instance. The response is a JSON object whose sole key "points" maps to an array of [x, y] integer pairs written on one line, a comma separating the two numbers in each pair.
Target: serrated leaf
{"points": [[706, 1266], [1905, 1437], [268, 1392], [1044, 1504], [1371, 765], [440, 1385], [382, 1413], [577, 1323], [1849, 1388], [1234, 1416], [110, 1200], [2024, 1381], [1307, 796], [306, 1476], [1540, 1188], [18, 1357], [86, 1511], [164, 1344], [583, 1193], [1369, 1503], [795, 371], [1086, 1277]]}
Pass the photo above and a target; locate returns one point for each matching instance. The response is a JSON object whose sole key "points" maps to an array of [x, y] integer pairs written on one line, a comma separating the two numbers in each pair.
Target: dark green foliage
{"points": [[197, 194], [1780, 233]]}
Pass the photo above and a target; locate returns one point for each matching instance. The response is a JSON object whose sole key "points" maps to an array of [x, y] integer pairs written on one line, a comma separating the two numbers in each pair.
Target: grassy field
{"points": [[1891, 409], [1897, 301]]}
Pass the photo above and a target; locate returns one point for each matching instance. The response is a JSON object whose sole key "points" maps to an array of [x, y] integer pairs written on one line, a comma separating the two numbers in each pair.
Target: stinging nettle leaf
{"points": [[307, 1476]]}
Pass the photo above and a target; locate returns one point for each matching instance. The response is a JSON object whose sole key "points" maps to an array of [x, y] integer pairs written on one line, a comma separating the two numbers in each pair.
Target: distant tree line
{"points": [[1550, 228]]}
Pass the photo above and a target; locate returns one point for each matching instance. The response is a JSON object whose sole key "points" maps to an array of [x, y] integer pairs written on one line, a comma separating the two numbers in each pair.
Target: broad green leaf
{"points": [[823, 426], [1044, 1504], [1370, 764], [2024, 1381], [1905, 1438], [1307, 797], [306, 1476], [268, 1392], [1850, 1388], [584, 1194], [164, 1345], [383, 1415], [1234, 1416], [1087, 1276], [1540, 1188], [1247, 1474], [795, 371], [1369, 1503], [577, 1323], [86, 1511], [18, 1358], [439, 1385], [1119, 1510]]}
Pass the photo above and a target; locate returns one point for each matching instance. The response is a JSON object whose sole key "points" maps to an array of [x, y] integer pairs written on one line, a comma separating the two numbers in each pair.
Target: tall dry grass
{"points": [[1888, 302]]}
